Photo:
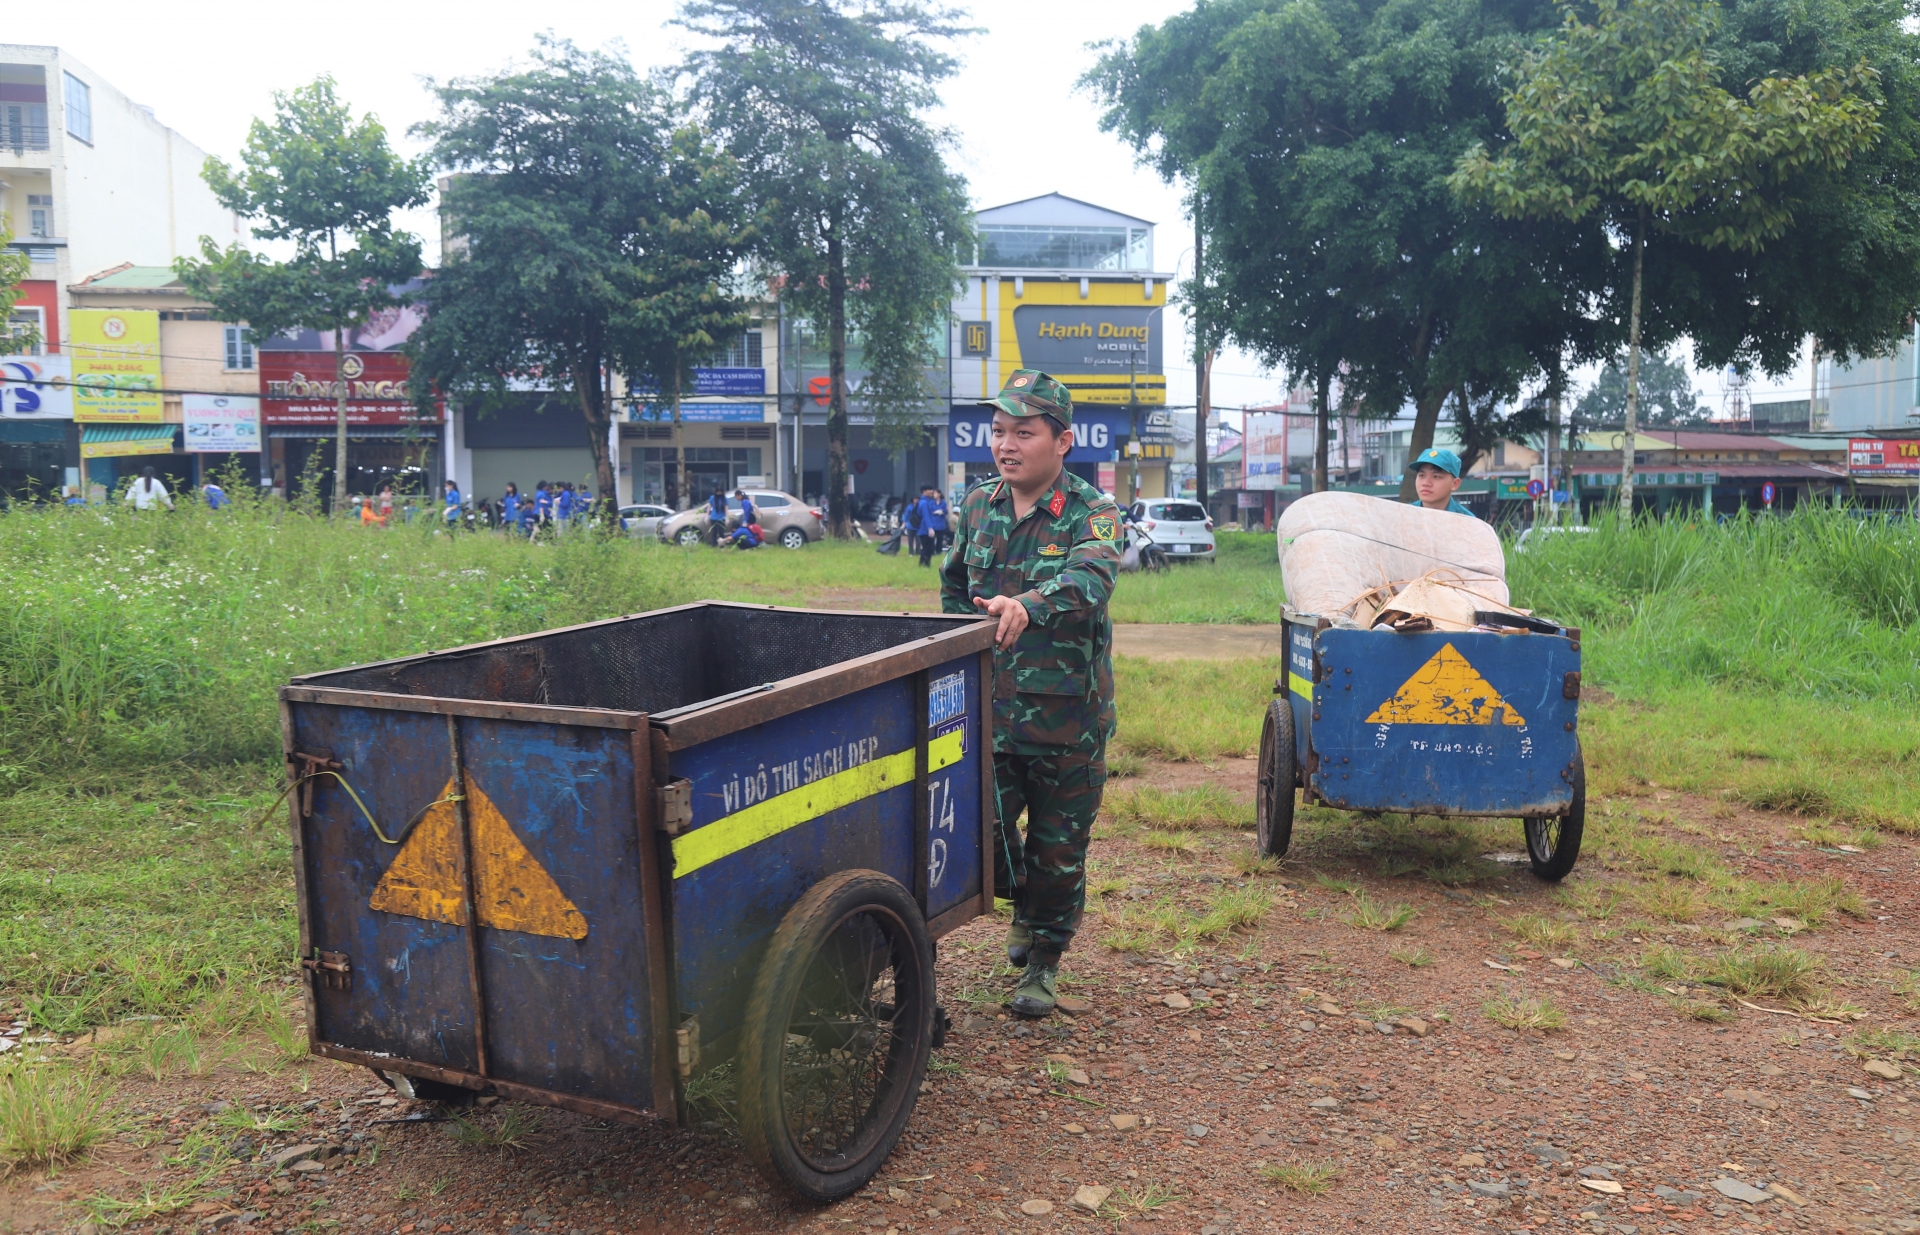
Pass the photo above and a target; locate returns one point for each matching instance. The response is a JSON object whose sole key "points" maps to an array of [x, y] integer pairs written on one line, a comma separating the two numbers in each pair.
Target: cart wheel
{"points": [[839, 1030], [1553, 843], [1273, 802]]}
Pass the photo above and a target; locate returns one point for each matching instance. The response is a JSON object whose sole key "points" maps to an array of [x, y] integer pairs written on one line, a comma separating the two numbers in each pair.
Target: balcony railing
{"points": [[20, 137]]}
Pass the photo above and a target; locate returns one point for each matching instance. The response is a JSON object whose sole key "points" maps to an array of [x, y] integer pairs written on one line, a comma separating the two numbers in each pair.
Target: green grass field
{"points": [[1772, 663]]}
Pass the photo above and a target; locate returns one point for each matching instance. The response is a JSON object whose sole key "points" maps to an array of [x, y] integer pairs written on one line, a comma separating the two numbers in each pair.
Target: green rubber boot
{"points": [[1019, 943], [1036, 995]]}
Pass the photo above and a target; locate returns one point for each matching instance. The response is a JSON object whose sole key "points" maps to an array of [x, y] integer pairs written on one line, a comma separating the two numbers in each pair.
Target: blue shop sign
{"points": [[1096, 435]]}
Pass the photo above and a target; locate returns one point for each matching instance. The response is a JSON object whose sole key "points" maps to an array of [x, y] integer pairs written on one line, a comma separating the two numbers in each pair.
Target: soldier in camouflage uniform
{"points": [[1037, 550]]}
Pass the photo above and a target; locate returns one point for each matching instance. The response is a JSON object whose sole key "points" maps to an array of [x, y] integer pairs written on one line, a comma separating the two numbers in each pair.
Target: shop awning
{"points": [[104, 441]]}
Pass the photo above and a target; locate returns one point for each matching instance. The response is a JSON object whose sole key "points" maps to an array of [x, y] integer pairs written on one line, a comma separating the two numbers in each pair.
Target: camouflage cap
{"points": [[1029, 392]]}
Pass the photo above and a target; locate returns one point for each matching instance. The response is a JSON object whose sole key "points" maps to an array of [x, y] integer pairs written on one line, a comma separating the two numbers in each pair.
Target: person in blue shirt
{"points": [[510, 506], [746, 536], [563, 504], [929, 518], [716, 518], [747, 512], [215, 495], [451, 502], [542, 502], [1436, 474]]}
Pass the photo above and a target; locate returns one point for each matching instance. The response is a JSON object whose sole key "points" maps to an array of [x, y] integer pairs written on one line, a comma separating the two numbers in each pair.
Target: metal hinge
{"points": [[335, 970], [673, 807], [1570, 688], [686, 1041], [306, 769]]}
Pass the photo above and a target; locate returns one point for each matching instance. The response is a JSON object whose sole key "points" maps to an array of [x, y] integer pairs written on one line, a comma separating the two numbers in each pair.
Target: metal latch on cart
{"points": [[1570, 688], [335, 970], [673, 807]]}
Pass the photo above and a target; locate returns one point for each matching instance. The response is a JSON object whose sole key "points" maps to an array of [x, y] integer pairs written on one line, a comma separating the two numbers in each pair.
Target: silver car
{"points": [[643, 519], [787, 521], [1181, 528]]}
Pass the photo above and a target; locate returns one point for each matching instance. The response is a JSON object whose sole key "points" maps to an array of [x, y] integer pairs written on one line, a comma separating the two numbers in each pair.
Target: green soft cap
{"points": [[1029, 392], [1441, 458]]}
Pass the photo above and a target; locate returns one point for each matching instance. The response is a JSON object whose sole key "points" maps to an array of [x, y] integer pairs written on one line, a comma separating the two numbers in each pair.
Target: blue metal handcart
{"points": [[581, 867], [1479, 722]]}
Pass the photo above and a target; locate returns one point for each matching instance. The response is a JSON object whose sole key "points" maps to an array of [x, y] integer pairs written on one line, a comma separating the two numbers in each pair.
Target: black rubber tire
{"points": [[793, 538], [1273, 797], [852, 967], [1553, 843]]}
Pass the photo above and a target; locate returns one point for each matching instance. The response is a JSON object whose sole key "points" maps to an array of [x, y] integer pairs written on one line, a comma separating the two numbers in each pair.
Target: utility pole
{"points": [[1202, 357], [1320, 431], [1133, 422]]}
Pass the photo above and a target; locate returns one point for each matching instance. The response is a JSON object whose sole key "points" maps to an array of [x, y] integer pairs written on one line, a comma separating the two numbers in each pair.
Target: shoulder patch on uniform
{"points": [[1052, 551], [1103, 527], [1058, 504]]}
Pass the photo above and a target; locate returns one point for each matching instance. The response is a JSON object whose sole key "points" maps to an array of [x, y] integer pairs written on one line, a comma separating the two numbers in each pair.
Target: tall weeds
{"points": [[137, 638], [1823, 601]]}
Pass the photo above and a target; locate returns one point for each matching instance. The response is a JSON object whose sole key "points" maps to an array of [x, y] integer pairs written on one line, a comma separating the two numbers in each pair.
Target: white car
{"points": [[1551, 529], [1181, 528], [644, 519]]}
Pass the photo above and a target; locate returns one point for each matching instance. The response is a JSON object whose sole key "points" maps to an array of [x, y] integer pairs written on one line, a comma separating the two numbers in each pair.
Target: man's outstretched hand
{"points": [[1012, 615]]}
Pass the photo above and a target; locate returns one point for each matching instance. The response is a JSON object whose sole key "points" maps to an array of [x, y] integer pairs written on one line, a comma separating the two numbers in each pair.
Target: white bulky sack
{"points": [[1347, 554]]}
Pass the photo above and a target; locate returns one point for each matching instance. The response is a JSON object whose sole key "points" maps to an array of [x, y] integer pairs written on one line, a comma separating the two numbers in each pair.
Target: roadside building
{"points": [[89, 181], [1708, 470], [208, 384], [1069, 287]]}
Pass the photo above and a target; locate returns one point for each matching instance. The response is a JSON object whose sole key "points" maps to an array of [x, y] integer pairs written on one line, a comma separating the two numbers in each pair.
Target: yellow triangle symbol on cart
{"points": [[511, 890], [1446, 691]]}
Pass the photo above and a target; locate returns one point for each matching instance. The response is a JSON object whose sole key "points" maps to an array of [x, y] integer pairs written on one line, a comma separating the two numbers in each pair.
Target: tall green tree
{"points": [[1622, 118], [594, 231], [1320, 134], [824, 103], [1667, 394], [330, 185]]}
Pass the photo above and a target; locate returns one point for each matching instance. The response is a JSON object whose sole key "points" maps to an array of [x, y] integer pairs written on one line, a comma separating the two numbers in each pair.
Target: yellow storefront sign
{"points": [[1105, 347], [116, 366]]}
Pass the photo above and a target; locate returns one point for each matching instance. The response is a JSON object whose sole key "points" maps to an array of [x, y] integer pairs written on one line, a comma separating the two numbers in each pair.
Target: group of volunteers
{"points": [[748, 535], [1036, 550]]}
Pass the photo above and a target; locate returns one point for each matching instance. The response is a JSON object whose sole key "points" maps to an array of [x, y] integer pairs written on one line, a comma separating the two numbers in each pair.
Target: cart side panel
{"points": [[956, 705], [408, 993], [564, 1013], [1470, 723], [1299, 672], [833, 789]]}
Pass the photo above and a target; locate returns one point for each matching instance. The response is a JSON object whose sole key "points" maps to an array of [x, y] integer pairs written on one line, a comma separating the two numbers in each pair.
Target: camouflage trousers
{"points": [[1048, 882]]}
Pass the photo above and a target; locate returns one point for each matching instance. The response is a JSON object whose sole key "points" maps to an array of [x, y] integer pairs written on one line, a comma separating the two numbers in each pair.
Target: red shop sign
{"points": [[297, 388]]}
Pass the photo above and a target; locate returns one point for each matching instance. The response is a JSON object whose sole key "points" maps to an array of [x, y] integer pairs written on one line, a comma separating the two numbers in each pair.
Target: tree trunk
{"points": [[1633, 373], [1201, 415], [838, 507], [339, 426], [1320, 421], [1426, 417], [587, 382], [679, 480]]}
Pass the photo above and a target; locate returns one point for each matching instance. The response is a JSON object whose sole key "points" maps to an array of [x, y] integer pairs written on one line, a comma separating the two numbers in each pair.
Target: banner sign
{"points": [[221, 424], [1095, 435], [36, 388], [116, 365], [699, 413], [297, 388], [1103, 340], [1868, 456]]}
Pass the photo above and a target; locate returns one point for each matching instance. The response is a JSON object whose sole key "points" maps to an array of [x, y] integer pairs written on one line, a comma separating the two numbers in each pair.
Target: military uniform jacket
{"points": [[1053, 691]]}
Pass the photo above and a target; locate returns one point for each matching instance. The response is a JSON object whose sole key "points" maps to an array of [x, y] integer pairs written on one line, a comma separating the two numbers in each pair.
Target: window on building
{"points": [[79, 109], [40, 215], [1042, 246], [26, 331], [742, 352], [239, 347]]}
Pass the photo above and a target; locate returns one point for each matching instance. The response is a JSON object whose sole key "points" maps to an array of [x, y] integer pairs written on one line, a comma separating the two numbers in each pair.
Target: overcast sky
{"points": [[1023, 128]]}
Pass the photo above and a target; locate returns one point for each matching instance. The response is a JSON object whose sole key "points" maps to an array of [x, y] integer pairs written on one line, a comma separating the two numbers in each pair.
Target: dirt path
{"points": [[1302, 1041]]}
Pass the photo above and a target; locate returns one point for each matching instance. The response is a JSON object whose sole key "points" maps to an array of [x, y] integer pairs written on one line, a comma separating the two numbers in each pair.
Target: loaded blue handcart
{"points": [[581, 867], [1433, 697]]}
